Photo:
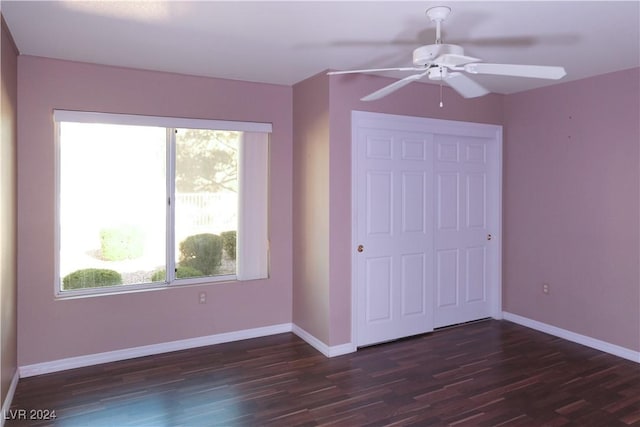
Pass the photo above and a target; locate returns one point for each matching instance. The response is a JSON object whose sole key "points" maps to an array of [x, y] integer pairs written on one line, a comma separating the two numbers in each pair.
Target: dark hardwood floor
{"points": [[490, 373]]}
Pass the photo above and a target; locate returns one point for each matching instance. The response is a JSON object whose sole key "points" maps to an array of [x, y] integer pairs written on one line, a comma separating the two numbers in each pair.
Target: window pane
{"points": [[112, 204], [206, 206]]}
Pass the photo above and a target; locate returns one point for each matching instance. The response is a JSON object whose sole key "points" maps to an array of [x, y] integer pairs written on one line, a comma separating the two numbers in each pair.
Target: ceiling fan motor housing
{"points": [[425, 55], [438, 73]]}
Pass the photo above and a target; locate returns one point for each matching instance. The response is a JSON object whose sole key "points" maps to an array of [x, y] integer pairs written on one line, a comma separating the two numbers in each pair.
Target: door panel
{"points": [[462, 204], [413, 297], [395, 292], [413, 203], [447, 278], [476, 200], [476, 278], [448, 201], [378, 289], [379, 203]]}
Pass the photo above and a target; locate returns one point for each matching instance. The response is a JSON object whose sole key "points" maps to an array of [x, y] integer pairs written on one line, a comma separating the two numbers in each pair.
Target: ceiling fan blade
{"points": [[466, 87], [375, 70], [532, 71], [518, 41], [454, 60], [393, 87]]}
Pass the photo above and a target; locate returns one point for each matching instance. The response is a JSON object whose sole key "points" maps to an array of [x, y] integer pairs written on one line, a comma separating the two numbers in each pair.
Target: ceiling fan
{"points": [[447, 63]]}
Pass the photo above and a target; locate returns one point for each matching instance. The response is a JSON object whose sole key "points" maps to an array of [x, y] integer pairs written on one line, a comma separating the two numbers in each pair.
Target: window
{"points": [[153, 201]]}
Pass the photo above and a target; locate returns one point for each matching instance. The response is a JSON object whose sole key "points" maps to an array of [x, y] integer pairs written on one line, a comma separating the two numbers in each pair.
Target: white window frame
{"points": [[253, 204]]}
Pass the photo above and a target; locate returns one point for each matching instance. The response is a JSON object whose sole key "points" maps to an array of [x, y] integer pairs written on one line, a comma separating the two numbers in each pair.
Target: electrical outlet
{"points": [[202, 298], [545, 288]]}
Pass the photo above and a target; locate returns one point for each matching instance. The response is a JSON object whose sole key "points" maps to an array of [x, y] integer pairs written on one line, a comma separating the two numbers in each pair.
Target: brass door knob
{"points": [[360, 248]]}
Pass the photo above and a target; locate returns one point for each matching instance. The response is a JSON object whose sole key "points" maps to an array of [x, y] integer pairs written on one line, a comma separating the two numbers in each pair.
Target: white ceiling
{"points": [[286, 42]]}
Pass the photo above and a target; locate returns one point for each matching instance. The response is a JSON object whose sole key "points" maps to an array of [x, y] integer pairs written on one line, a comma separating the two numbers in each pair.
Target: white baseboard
{"points": [[148, 350], [6, 405], [616, 350], [329, 351]]}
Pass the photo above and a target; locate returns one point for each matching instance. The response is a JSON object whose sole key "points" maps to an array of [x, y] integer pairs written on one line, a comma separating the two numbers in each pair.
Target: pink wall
{"points": [[8, 141], [311, 206], [571, 206], [50, 329]]}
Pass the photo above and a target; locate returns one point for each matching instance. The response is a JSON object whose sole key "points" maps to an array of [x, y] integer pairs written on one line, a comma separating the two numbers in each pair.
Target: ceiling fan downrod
{"points": [[438, 14]]}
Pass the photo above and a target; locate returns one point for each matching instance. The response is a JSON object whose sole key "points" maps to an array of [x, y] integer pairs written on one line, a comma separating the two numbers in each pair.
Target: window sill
{"points": [[146, 287]]}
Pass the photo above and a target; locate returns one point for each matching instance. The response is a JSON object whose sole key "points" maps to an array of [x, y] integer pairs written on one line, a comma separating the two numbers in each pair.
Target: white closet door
{"points": [[464, 224], [396, 258], [426, 205]]}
